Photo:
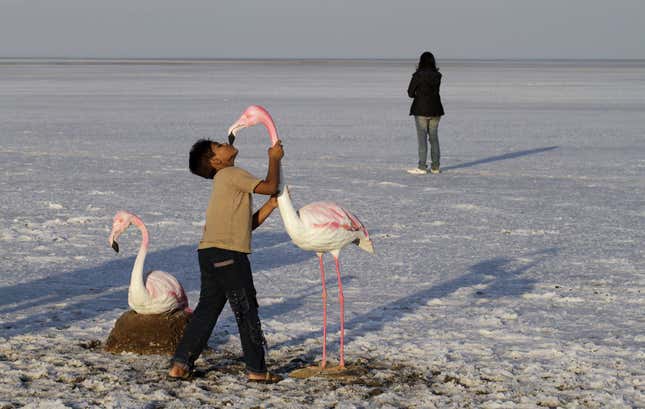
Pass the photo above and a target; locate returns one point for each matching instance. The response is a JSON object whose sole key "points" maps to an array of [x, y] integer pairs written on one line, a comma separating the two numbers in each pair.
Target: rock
{"points": [[147, 334]]}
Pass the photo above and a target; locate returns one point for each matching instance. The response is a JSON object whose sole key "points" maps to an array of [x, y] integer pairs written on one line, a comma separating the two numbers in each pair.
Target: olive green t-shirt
{"points": [[230, 211]]}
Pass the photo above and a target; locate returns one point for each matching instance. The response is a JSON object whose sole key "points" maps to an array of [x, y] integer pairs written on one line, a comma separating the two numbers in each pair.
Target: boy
{"points": [[225, 268]]}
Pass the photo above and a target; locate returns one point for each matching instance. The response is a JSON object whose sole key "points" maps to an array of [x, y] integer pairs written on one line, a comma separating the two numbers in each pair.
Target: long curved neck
{"points": [[270, 125], [137, 284], [273, 134], [290, 218]]}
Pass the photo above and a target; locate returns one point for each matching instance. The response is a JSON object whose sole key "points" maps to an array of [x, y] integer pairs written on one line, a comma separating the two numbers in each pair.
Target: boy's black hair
{"points": [[199, 159]]}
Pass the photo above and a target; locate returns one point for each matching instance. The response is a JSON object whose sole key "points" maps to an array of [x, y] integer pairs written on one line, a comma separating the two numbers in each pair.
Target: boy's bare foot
{"points": [[178, 372], [266, 377]]}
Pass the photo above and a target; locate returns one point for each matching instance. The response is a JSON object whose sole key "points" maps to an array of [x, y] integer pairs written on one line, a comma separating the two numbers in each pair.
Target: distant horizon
{"points": [[228, 59]]}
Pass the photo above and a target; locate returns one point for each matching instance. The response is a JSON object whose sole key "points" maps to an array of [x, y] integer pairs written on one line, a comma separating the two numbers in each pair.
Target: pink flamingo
{"points": [[323, 227], [158, 292]]}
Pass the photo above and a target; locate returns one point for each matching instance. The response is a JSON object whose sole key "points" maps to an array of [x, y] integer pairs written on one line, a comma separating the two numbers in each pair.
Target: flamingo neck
{"points": [[273, 134], [292, 223], [273, 131], [137, 285]]}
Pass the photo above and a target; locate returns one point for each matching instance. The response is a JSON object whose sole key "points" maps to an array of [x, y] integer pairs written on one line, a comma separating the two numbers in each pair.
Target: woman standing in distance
{"points": [[427, 110]]}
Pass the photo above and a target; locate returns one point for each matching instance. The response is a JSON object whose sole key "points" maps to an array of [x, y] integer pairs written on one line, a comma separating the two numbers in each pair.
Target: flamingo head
{"points": [[253, 115], [121, 221]]}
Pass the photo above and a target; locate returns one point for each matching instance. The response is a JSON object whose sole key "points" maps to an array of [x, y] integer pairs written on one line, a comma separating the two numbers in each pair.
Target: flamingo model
{"points": [[158, 292], [323, 227]]}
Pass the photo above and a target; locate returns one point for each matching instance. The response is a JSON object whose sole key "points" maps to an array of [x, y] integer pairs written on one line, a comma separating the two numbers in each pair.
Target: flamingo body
{"points": [[164, 294], [328, 227], [156, 292]]}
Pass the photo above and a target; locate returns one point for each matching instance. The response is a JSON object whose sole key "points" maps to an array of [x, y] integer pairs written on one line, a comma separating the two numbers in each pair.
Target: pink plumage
{"points": [[330, 215]]}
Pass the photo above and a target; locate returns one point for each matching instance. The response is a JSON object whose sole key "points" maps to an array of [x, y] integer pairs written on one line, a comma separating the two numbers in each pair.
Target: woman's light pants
{"points": [[427, 131]]}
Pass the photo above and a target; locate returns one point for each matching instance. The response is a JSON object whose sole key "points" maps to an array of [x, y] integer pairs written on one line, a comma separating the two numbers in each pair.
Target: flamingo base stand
{"points": [[147, 333], [347, 373]]}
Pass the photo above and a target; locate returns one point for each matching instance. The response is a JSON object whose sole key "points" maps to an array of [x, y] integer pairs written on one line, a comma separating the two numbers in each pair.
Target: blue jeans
{"points": [[225, 275], [427, 130]]}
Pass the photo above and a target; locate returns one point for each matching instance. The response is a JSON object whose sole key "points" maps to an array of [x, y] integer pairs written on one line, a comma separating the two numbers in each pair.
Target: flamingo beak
{"points": [[239, 124], [112, 239]]}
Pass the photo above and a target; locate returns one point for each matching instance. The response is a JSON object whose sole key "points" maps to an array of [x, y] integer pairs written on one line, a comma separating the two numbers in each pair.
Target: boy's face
{"points": [[224, 155]]}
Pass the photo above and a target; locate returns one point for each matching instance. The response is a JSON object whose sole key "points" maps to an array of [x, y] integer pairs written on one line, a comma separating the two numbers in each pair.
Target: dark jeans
{"points": [[427, 131], [225, 275]]}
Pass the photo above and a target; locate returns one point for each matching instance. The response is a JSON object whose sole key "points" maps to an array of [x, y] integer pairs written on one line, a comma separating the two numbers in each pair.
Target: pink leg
{"points": [[324, 301], [341, 298]]}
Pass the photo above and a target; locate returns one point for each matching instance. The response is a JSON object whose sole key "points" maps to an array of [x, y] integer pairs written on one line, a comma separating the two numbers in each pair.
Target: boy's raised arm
{"points": [[269, 185]]}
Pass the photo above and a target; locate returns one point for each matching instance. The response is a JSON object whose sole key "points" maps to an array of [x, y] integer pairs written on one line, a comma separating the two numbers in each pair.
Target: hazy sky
{"points": [[323, 29]]}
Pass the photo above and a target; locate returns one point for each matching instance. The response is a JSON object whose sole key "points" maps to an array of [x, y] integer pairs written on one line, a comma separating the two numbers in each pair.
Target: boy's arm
{"points": [[263, 212], [269, 185]]}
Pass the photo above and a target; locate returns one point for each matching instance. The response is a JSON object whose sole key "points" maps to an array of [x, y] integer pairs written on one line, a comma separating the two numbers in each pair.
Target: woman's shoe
{"points": [[417, 171]]}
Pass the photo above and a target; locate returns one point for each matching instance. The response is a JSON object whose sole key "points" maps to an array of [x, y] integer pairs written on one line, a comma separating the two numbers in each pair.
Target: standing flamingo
{"points": [[159, 291], [323, 227]]}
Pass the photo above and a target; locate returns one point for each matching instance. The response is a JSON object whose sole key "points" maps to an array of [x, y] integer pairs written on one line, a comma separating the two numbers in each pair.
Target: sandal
{"points": [[267, 377], [186, 375]]}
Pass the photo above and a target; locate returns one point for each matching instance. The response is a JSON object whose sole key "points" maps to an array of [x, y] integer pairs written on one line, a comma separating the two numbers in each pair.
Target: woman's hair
{"points": [[427, 62], [200, 157]]}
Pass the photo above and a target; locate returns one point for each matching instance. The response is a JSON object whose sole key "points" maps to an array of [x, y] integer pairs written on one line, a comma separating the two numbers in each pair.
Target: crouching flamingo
{"points": [[157, 292], [322, 227]]}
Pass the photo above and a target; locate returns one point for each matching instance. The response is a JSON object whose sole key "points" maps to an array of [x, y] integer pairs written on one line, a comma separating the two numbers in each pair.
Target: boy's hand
{"points": [[276, 151]]}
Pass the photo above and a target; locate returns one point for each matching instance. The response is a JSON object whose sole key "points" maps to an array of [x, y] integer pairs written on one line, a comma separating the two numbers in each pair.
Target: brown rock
{"points": [[147, 334]]}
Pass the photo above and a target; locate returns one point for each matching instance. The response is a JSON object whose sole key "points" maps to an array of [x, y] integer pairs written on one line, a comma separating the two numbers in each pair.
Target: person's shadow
{"points": [[510, 155], [59, 300], [501, 276]]}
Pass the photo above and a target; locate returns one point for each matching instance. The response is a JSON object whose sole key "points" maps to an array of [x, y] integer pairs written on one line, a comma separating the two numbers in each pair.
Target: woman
{"points": [[427, 110]]}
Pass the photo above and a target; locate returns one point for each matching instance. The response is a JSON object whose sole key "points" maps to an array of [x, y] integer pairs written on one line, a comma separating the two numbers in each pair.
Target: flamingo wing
{"points": [[329, 215], [166, 289]]}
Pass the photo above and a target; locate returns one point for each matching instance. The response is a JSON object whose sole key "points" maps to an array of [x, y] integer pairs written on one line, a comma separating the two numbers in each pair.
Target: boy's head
{"points": [[207, 157]]}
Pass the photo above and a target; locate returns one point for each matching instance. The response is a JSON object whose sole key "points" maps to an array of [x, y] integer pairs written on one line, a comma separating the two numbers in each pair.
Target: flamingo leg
{"points": [[324, 302], [341, 298]]}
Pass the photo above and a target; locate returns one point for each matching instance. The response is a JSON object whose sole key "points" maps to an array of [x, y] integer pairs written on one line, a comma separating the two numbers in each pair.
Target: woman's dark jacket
{"points": [[424, 88]]}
